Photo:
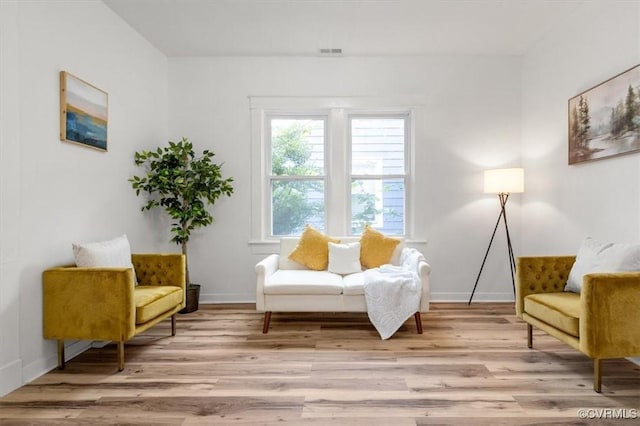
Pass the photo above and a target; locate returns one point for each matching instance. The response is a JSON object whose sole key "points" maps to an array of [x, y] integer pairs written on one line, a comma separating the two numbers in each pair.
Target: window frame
{"points": [[337, 157], [270, 177], [406, 177]]}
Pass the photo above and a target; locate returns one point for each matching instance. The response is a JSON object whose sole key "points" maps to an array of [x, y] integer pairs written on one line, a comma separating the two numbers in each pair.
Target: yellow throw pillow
{"points": [[376, 249], [312, 250]]}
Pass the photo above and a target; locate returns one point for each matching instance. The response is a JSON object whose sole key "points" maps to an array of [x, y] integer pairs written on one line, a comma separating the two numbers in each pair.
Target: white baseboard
{"points": [[17, 374], [477, 297], [216, 298], [43, 365], [10, 376]]}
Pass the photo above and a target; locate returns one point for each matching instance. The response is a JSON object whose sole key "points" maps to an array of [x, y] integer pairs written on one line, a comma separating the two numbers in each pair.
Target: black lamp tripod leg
{"points": [[487, 253], [512, 262]]}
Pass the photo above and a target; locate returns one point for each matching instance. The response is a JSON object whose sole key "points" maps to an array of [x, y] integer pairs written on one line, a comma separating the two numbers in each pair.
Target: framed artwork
{"points": [[604, 121], [83, 112]]}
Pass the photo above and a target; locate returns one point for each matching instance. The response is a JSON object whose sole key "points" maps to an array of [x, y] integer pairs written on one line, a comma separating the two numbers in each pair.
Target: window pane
{"points": [[297, 147], [377, 146], [296, 203], [379, 203]]}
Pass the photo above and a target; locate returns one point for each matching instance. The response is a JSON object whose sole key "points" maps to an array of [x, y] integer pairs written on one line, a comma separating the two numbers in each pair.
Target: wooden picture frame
{"points": [[83, 112], [604, 121]]}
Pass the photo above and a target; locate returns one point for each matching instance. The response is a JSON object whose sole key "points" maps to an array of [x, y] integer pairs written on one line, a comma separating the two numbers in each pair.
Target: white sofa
{"points": [[286, 286]]}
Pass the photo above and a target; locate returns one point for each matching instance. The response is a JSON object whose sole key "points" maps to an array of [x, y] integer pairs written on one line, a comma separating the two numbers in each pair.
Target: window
{"points": [[334, 166], [378, 180], [297, 177]]}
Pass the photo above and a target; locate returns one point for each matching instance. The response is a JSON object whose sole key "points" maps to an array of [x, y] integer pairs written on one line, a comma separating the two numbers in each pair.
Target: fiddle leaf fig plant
{"points": [[183, 184]]}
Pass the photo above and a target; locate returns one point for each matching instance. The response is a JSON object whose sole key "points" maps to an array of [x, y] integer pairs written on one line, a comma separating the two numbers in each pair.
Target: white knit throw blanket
{"points": [[393, 293]]}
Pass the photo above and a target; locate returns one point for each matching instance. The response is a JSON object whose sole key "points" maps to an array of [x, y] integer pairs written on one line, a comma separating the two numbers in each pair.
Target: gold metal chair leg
{"points": [[418, 322], [61, 354], [120, 356], [173, 324], [529, 336], [597, 375], [267, 320]]}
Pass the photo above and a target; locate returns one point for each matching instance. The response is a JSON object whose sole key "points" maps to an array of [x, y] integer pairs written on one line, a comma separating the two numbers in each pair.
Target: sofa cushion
{"points": [[344, 258], [103, 254], [115, 253], [303, 282], [353, 284], [560, 310], [596, 256], [152, 301], [377, 249], [312, 250]]}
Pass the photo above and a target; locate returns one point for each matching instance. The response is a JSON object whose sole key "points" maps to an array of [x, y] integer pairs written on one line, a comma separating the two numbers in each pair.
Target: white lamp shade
{"points": [[504, 181]]}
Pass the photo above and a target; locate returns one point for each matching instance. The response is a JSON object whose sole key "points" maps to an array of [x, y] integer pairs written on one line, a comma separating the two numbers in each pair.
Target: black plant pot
{"points": [[193, 296]]}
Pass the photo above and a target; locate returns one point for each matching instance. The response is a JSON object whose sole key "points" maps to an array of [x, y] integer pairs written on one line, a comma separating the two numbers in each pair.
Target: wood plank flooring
{"points": [[470, 367]]}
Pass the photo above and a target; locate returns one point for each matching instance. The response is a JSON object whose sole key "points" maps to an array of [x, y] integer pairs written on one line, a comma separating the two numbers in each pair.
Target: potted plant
{"points": [[184, 185]]}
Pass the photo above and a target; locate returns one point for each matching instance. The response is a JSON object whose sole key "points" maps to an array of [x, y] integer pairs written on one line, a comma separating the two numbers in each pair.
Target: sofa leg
{"points": [[418, 322], [61, 354], [120, 356], [529, 336], [173, 324], [597, 375], [267, 320]]}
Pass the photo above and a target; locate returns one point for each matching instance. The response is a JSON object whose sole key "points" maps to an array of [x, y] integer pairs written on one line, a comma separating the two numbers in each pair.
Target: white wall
{"points": [[470, 120], [55, 193], [563, 204]]}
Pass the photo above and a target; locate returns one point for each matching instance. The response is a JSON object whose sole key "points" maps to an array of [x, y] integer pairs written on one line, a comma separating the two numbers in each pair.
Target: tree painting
{"points": [[605, 121]]}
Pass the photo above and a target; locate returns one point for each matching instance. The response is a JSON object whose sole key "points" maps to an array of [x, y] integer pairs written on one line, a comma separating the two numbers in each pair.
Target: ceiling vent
{"points": [[330, 52]]}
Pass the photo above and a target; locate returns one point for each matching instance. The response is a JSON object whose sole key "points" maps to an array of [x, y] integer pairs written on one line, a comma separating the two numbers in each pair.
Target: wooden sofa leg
{"points": [[529, 336], [597, 375], [120, 356], [173, 324], [267, 320], [61, 354], [418, 322]]}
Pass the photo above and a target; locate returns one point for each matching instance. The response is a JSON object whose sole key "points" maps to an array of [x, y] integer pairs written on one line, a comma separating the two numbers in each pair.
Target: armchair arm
{"points": [[88, 303], [160, 269], [264, 269], [540, 274], [610, 315]]}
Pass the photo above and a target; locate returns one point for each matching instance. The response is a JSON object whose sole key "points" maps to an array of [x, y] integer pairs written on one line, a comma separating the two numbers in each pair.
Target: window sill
{"points": [[273, 246]]}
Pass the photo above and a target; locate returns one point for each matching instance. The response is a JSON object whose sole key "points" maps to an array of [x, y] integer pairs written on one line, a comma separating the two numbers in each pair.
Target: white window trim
{"points": [[338, 109]]}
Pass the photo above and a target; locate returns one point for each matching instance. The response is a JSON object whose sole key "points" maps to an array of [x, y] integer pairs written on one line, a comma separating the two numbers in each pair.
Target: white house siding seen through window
{"points": [[378, 165]]}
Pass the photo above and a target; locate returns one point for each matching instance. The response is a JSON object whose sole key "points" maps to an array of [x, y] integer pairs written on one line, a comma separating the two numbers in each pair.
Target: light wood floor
{"points": [[470, 367]]}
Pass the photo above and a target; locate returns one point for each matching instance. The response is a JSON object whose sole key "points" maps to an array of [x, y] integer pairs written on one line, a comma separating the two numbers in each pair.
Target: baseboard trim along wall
{"points": [[216, 298]]}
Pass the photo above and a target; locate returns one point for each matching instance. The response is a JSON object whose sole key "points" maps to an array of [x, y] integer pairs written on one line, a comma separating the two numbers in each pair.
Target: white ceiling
{"points": [[359, 27]]}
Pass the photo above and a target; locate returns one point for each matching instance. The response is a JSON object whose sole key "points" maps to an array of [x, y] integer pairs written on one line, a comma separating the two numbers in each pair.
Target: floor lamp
{"points": [[502, 182]]}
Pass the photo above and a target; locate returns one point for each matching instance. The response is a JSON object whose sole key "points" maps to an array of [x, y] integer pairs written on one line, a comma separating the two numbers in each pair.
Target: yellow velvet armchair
{"points": [[106, 303], [603, 321]]}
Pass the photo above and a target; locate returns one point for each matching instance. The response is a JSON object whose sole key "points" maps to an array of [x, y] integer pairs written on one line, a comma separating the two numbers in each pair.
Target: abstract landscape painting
{"points": [[604, 121], [83, 112]]}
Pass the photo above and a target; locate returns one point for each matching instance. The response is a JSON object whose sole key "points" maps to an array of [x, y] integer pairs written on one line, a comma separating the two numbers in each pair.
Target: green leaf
{"points": [[183, 183]]}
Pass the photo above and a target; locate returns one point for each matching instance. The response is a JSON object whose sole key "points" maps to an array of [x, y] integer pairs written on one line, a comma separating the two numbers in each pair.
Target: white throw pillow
{"points": [[596, 256], [586, 260], [344, 258], [113, 253]]}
